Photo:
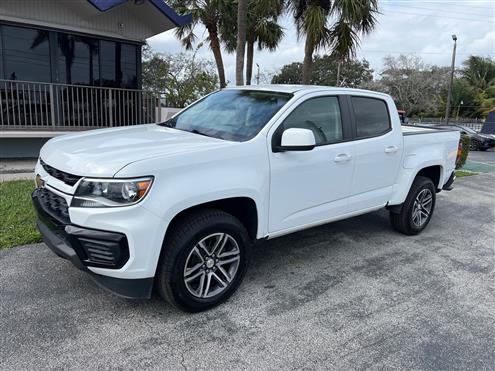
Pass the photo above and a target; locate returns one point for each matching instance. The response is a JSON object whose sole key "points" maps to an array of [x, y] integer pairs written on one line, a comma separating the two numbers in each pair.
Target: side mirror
{"points": [[295, 139]]}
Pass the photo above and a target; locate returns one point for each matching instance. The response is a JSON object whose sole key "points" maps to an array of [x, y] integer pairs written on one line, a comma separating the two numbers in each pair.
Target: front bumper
{"points": [[86, 247]]}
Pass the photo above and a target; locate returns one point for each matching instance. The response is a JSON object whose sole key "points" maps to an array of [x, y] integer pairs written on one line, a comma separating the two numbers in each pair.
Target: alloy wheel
{"points": [[422, 207], [212, 265]]}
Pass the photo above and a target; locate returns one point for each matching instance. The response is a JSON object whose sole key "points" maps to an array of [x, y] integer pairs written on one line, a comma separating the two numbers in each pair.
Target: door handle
{"points": [[391, 149], [342, 157]]}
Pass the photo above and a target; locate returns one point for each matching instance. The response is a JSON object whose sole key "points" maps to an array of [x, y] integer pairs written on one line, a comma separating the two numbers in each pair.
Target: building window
{"points": [[108, 66], [26, 54], [77, 58], [47, 56], [128, 66], [118, 65]]}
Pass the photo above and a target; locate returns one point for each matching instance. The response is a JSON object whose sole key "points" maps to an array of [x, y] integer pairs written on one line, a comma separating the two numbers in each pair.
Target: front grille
{"points": [[54, 205], [67, 178]]}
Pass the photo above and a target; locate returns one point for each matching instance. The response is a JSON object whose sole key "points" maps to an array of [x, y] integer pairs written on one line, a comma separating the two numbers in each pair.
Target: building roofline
{"points": [[160, 5]]}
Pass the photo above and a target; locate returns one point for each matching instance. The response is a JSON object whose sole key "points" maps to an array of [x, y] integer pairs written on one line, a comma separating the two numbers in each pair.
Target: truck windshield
{"points": [[236, 115]]}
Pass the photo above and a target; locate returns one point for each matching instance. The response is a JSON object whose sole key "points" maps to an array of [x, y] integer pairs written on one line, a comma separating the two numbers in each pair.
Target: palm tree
{"points": [[350, 17], [262, 27], [241, 41], [212, 14]]}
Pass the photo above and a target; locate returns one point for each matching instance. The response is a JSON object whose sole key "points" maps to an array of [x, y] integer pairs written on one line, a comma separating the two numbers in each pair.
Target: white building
{"points": [[74, 65]]}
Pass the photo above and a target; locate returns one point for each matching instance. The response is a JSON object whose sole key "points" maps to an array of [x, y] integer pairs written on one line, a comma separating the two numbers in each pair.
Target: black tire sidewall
{"points": [[423, 184], [181, 295]]}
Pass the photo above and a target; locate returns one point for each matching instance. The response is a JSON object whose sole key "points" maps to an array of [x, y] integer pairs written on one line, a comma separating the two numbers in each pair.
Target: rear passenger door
{"points": [[377, 152]]}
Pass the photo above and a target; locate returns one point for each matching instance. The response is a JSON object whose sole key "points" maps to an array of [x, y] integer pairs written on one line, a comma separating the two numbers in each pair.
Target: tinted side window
{"points": [[320, 115], [371, 116]]}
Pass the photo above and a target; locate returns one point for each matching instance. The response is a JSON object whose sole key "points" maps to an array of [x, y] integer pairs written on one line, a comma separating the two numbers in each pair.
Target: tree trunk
{"points": [[338, 73], [241, 41], [217, 54], [308, 62], [249, 60]]}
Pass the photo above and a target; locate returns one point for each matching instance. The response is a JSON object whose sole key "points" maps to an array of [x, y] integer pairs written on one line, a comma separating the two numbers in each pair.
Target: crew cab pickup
{"points": [[177, 206]]}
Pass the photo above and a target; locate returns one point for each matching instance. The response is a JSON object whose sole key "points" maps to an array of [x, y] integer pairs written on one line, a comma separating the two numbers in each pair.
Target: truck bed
{"points": [[417, 129]]}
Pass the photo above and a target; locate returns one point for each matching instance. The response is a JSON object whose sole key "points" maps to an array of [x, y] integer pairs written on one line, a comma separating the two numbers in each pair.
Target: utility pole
{"points": [[258, 74], [451, 82]]}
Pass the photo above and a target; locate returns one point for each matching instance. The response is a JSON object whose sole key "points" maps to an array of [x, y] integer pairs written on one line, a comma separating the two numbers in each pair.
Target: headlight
{"points": [[110, 192]]}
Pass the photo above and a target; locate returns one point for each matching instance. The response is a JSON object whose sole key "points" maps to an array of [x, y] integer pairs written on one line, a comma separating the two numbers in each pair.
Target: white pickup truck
{"points": [[177, 206]]}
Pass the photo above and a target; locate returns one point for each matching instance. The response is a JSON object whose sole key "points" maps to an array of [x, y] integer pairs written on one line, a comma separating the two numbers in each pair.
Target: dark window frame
{"points": [[53, 39], [354, 121], [347, 133]]}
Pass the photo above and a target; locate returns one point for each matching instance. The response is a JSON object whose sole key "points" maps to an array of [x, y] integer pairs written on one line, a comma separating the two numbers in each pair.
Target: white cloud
{"points": [[405, 27]]}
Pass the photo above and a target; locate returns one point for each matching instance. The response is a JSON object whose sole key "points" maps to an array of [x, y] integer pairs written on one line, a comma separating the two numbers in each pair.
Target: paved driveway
{"points": [[352, 294]]}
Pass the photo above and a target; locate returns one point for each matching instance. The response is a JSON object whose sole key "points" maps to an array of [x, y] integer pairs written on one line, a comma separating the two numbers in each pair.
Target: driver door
{"points": [[312, 187]]}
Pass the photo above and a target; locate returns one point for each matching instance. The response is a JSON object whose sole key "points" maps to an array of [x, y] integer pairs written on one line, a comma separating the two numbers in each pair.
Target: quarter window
{"points": [[371, 116], [321, 116]]}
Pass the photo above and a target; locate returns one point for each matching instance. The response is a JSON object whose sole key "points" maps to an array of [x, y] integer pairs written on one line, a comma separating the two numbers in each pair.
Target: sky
{"points": [[412, 27]]}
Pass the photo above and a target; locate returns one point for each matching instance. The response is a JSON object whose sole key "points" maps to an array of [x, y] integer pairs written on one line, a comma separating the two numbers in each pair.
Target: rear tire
{"points": [[203, 260], [417, 210]]}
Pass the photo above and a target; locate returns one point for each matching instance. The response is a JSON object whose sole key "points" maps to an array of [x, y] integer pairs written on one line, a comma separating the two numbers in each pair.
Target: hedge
{"points": [[464, 148]]}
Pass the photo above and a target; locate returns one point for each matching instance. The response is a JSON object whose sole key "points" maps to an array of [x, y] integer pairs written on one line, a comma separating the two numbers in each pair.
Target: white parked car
{"points": [[178, 205]]}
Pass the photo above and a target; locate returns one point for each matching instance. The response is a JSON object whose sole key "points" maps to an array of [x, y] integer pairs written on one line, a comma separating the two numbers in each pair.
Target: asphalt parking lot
{"points": [[349, 295]]}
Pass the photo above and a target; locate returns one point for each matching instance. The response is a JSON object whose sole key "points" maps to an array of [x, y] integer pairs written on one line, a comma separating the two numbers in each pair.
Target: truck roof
{"points": [[286, 88]]}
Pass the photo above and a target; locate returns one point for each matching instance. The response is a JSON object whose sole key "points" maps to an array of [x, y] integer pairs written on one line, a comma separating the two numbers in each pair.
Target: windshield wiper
{"points": [[194, 131], [170, 123]]}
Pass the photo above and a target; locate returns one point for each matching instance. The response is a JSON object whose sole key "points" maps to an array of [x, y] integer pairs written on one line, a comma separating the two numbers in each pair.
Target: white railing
{"points": [[26, 105]]}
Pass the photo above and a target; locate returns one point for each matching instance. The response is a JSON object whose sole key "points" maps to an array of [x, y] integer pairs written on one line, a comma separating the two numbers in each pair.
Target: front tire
{"points": [[204, 260], [417, 210]]}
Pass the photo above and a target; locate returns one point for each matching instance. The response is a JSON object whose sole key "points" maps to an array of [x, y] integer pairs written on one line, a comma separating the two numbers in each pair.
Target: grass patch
{"points": [[17, 216], [461, 173]]}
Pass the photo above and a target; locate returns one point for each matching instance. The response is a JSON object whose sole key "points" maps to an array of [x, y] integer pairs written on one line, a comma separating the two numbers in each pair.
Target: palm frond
{"points": [[345, 40]]}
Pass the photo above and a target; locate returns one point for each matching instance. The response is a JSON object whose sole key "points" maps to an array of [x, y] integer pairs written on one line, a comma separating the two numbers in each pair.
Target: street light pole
{"points": [[458, 108], [451, 82]]}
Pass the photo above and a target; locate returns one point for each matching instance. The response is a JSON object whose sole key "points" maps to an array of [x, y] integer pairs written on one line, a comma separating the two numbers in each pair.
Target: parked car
{"points": [[479, 141], [178, 205]]}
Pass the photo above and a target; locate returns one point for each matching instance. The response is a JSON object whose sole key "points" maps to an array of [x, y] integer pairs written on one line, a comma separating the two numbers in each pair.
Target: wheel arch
{"points": [[243, 208], [434, 172]]}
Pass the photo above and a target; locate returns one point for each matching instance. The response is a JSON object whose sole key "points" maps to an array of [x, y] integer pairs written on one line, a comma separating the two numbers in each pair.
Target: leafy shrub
{"points": [[464, 149]]}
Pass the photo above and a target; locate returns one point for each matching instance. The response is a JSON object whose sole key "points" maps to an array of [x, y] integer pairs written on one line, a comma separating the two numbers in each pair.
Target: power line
{"points": [[441, 16], [445, 11], [414, 52], [449, 3]]}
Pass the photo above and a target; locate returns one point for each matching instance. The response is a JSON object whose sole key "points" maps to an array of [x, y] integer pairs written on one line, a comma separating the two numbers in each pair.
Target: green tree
{"points": [[479, 71], [262, 29], [350, 18], [464, 102], [354, 73], [415, 86], [213, 14], [180, 78]]}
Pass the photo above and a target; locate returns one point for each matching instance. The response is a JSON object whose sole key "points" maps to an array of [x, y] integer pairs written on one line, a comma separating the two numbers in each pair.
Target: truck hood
{"points": [[104, 152]]}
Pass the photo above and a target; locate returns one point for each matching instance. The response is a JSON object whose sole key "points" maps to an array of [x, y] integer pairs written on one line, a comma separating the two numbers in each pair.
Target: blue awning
{"points": [[178, 20]]}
